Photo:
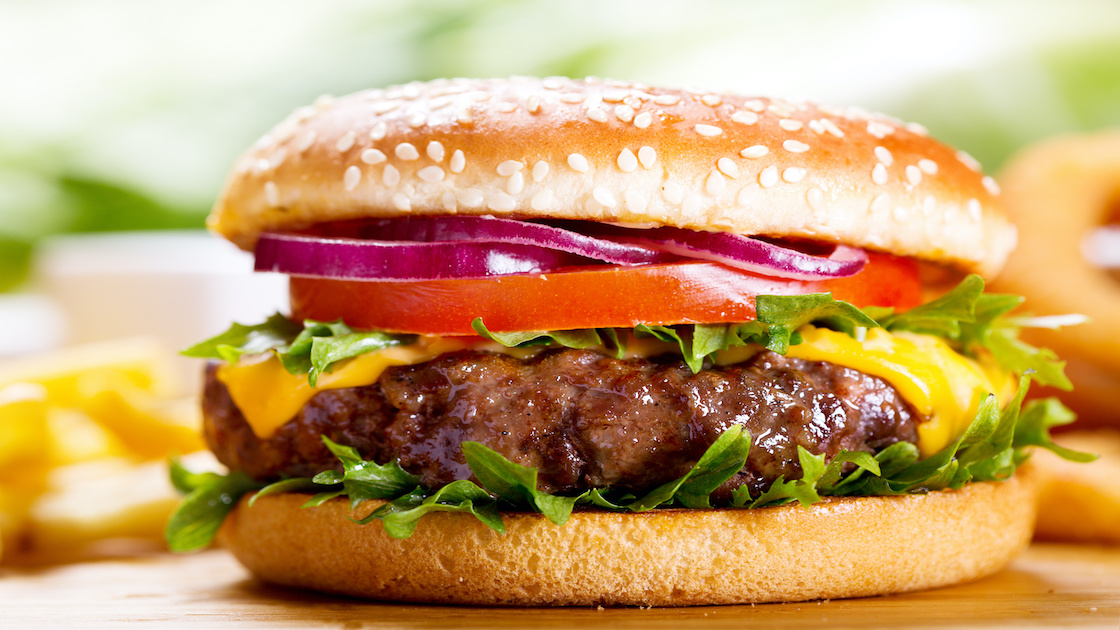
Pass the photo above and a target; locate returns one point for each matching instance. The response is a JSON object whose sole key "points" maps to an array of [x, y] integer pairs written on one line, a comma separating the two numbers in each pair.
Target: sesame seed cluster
{"points": [[621, 152]]}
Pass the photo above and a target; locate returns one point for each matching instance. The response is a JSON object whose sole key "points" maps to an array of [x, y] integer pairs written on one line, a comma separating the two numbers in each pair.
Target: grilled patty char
{"points": [[584, 420]]}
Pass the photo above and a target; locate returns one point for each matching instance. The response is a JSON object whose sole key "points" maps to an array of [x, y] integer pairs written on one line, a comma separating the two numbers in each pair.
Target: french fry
{"points": [[148, 427], [140, 362]]}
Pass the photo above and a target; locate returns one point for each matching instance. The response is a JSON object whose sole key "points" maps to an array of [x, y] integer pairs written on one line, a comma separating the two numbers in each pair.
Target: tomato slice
{"points": [[587, 297]]}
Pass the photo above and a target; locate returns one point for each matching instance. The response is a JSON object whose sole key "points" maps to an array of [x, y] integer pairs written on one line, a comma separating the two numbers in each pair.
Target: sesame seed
{"points": [[691, 205], [635, 201], [501, 202], [470, 198], [614, 96], [604, 197], [552, 84], [279, 156], [572, 98], [879, 174], [435, 151], [991, 185], [768, 177], [449, 201], [716, 183], [625, 113], [542, 200], [708, 131], [929, 167], [378, 131], [431, 174], [780, 110], [261, 165], [305, 142], [880, 203], [878, 129], [755, 105], [579, 163], [744, 117], [790, 124], [917, 129], [968, 161], [373, 156], [672, 192], [390, 176], [627, 161], [974, 209], [509, 167], [384, 107], [794, 146], [351, 177], [815, 197], [410, 92], [643, 120], [913, 175], [816, 126], [272, 194], [417, 120], [439, 103], [345, 143], [901, 214], [794, 174], [458, 161], [756, 151], [711, 100], [540, 171], [929, 204], [746, 196], [596, 114], [633, 101], [647, 156], [505, 108], [402, 202], [516, 183], [884, 155], [406, 151], [465, 116], [831, 128], [728, 167], [533, 104], [667, 99]]}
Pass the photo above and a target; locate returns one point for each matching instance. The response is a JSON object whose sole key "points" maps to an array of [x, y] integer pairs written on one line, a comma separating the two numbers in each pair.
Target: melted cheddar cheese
{"points": [[940, 384]]}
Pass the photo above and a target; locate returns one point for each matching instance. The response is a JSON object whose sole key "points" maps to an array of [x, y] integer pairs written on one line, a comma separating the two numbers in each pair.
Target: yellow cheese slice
{"points": [[268, 396], [941, 384]]}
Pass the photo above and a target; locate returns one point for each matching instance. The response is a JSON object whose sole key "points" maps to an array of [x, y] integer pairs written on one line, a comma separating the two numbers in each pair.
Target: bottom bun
{"points": [[841, 547]]}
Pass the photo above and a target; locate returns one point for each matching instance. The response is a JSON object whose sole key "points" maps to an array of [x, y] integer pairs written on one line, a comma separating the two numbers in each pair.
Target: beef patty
{"points": [[584, 420]]}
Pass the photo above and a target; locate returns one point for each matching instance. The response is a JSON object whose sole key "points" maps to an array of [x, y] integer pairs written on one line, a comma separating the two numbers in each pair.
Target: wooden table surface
{"points": [[1048, 586]]}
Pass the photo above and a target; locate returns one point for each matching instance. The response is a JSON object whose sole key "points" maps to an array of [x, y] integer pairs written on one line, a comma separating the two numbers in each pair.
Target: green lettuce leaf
{"points": [[312, 348], [363, 480], [400, 517], [515, 484], [210, 498]]}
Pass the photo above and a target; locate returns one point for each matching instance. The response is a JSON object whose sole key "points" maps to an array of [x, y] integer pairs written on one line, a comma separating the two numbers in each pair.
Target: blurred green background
{"points": [[126, 115]]}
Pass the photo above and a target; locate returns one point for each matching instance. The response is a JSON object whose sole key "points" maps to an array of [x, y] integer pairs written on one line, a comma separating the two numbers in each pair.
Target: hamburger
{"points": [[576, 342]]}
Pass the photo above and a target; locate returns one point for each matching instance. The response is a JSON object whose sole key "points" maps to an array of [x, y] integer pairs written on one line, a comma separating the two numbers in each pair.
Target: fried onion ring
{"points": [[1059, 192]]}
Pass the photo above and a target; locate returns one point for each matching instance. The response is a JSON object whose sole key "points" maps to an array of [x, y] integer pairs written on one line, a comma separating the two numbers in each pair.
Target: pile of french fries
{"points": [[85, 435]]}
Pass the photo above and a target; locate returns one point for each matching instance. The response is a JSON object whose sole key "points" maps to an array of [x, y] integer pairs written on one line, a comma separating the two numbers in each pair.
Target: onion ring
{"points": [[1061, 193]]}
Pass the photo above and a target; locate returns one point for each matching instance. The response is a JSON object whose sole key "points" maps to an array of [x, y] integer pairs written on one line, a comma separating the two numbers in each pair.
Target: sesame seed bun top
{"points": [[621, 152]]}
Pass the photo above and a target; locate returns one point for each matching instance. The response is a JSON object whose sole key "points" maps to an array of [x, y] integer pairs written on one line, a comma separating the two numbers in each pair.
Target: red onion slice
{"points": [[355, 259], [743, 252], [428, 248], [495, 230]]}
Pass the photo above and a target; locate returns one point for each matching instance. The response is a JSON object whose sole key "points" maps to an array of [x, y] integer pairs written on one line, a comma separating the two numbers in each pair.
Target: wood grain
{"points": [[1048, 586]]}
